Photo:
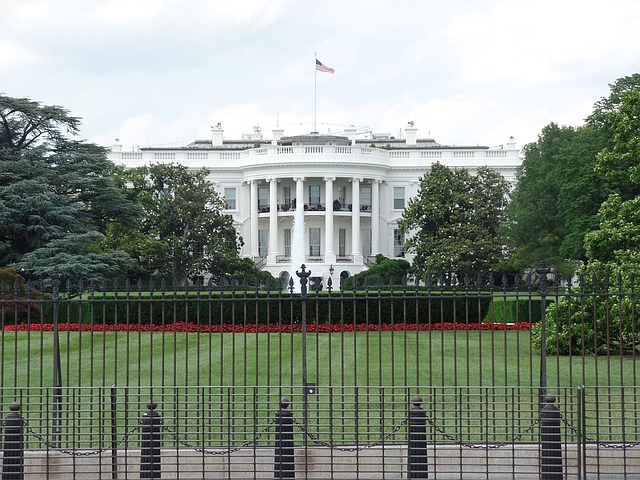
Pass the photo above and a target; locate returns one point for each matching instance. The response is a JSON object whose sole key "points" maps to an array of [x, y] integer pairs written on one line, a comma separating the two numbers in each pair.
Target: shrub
{"points": [[16, 304], [600, 322]]}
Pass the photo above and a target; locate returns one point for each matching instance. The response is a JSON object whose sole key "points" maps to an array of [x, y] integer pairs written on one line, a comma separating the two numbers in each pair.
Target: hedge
{"points": [[262, 308]]}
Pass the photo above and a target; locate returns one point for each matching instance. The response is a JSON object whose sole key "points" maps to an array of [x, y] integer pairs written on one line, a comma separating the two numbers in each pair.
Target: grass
{"points": [[435, 358], [470, 380]]}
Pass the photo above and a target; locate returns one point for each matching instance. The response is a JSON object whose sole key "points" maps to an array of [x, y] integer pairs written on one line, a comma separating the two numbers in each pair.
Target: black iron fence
{"points": [[82, 363], [342, 432]]}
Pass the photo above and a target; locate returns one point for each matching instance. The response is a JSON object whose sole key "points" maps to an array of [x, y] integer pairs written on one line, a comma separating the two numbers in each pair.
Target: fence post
{"points": [[150, 462], [418, 467], [551, 461], [284, 466], [13, 447]]}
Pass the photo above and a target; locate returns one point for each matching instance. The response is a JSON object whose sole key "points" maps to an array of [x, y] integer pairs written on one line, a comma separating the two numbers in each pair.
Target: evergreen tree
{"points": [[57, 196]]}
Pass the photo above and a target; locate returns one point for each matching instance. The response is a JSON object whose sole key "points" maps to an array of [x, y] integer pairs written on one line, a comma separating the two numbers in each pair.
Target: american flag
{"points": [[323, 68]]}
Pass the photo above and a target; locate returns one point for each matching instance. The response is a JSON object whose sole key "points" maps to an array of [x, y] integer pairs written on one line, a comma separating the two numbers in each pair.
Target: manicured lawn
{"points": [[425, 358], [469, 380]]}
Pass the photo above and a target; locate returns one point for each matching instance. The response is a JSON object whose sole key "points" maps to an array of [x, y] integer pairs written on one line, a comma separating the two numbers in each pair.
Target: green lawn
{"points": [[437, 358], [470, 381]]}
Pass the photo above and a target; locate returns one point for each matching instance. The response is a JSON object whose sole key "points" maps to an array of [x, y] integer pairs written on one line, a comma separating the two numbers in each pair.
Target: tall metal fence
{"points": [[449, 379]]}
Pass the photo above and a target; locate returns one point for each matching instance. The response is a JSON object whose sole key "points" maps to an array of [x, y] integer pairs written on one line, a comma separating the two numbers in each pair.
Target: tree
{"points": [[620, 162], [556, 198], [56, 195], [612, 249], [184, 232], [454, 222]]}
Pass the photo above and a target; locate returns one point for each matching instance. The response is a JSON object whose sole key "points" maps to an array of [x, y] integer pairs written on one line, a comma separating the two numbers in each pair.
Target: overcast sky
{"points": [[161, 72]]}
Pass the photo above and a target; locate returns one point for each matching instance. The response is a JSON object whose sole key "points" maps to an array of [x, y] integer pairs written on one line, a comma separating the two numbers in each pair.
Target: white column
{"points": [[299, 192], [375, 217], [273, 219], [329, 251], [253, 248], [356, 244]]}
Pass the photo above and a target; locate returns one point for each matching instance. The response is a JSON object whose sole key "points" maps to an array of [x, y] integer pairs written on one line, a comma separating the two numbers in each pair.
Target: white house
{"points": [[329, 201]]}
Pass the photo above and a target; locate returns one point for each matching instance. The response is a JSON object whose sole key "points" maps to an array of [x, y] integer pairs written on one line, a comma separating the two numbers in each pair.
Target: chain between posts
{"points": [[205, 451], [77, 453], [621, 446], [377, 443]]}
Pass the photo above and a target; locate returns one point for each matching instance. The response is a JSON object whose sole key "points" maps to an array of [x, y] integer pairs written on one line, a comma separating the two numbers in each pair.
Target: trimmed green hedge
{"points": [[262, 308], [511, 310]]}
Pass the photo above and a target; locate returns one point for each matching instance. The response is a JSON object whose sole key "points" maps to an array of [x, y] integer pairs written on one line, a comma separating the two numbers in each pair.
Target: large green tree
{"points": [[556, 198], [183, 233], [453, 224], [612, 248], [57, 196], [615, 246]]}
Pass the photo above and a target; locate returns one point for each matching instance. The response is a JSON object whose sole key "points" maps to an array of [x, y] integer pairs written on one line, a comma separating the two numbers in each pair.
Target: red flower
{"points": [[271, 328]]}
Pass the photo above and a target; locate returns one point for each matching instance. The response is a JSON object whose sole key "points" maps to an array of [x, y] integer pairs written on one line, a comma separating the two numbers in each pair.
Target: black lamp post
{"points": [[543, 271]]}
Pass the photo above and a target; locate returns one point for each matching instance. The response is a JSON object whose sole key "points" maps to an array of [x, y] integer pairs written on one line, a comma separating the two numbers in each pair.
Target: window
{"points": [[342, 195], [398, 243], [342, 242], [314, 195], [286, 193], [263, 242], [287, 242], [365, 197], [314, 241], [398, 198], [263, 199], [230, 198], [366, 242]]}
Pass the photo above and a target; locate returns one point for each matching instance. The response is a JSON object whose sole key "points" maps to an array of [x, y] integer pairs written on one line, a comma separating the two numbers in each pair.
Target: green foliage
{"points": [[514, 311], [267, 307], [384, 269], [54, 190], [597, 322], [184, 233], [556, 199], [247, 271], [454, 222], [613, 248], [620, 163]]}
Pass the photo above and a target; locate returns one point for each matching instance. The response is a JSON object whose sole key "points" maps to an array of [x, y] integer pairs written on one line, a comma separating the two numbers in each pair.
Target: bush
{"points": [[512, 311], [228, 307], [603, 322], [385, 269], [16, 304]]}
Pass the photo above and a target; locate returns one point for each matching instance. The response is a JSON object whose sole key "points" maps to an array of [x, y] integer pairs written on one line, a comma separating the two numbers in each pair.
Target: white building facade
{"points": [[330, 201]]}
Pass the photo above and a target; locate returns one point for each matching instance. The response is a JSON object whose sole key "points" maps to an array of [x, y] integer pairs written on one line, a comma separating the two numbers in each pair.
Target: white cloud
{"points": [[468, 72]]}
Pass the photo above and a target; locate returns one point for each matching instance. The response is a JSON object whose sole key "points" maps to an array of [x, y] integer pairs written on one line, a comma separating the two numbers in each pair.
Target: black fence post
{"points": [[550, 438], [150, 462], [13, 446], [284, 466], [418, 467]]}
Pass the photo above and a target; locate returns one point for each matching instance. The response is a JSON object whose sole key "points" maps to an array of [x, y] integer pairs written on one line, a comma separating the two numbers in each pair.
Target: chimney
{"points": [[216, 134], [410, 134], [350, 132], [277, 135]]}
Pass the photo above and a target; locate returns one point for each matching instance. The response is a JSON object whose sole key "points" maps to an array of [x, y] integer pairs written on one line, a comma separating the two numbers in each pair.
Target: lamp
{"points": [[331, 269]]}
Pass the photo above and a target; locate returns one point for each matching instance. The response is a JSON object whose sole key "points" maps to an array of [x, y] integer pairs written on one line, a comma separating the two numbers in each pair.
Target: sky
{"points": [[466, 72]]}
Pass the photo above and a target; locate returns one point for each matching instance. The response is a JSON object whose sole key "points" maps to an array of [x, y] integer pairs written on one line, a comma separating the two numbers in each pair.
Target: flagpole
{"points": [[315, 92]]}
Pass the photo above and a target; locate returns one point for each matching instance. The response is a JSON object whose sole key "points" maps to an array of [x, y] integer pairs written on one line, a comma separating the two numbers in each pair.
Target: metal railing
{"points": [[83, 360], [342, 432]]}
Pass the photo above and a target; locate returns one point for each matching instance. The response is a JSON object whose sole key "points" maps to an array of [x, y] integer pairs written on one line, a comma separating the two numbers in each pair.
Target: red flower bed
{"points": [[274, 328]]}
